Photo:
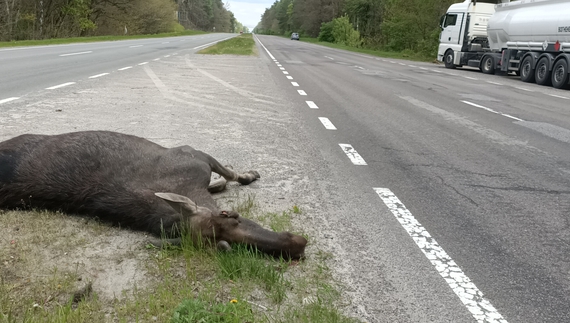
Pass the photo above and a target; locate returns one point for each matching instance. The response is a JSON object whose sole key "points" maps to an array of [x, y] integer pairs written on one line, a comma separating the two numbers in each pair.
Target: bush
{"points": [[344, 33], [326, 33]]}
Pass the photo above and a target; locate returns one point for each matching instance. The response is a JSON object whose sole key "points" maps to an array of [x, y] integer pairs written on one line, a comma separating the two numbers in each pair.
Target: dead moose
{"points": [[132, 182]]}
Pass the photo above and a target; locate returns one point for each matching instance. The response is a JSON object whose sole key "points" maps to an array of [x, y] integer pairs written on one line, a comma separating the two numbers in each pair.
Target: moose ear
{"points": [[179, 203]]}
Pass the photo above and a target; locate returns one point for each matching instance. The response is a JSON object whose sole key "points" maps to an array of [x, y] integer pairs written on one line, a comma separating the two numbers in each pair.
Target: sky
{"points": [[248, 12]]}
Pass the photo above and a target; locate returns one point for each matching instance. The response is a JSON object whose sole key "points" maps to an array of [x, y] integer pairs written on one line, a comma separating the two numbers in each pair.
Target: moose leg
{"points": [[229, 174], [217, 185]]}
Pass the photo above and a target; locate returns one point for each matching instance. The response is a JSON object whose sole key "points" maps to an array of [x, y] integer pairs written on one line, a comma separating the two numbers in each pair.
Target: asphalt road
{"points": [[442, 195], [481, 162]]}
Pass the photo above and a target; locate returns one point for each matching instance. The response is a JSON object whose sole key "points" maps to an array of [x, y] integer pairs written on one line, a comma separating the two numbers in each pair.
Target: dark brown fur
{"points": [[132, 182]]}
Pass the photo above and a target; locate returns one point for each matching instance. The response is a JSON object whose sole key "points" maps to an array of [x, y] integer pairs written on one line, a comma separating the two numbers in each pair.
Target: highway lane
{"points": [[25, 70], [481, 161]]}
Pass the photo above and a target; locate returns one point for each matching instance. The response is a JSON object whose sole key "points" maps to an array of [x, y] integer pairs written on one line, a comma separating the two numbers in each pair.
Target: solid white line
{"points": [[480, 106], [8, 100], [143, 63], [327, 123], [125, 68], [289, 77], [559, 96], [80, 53], [98, 75], [134, 46], [294, 83], [285, 72], [354, 157], [58, 86], [510, 116], [481, 309], [312, 105], [214, 42], [301, 92]]}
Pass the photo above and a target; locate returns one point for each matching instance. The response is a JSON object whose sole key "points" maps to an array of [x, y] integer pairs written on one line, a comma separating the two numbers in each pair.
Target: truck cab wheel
{"points": [[448, 59], [560, 74], [542, 74], [526, 70], [488, 65]]}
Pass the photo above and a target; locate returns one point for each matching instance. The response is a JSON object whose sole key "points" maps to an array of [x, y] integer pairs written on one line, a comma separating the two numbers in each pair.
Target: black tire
{"points": [[543, 73], [560, 74], [488, 65], [526, 70], [448, 59]]}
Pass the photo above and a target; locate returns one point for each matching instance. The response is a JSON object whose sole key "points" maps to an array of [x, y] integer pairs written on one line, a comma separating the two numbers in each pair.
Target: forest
{"points": [[393, 25], [46, 19]]}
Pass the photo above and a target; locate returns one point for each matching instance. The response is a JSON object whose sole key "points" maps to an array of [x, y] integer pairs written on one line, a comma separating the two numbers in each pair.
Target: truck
{"points": [[530, 38]]}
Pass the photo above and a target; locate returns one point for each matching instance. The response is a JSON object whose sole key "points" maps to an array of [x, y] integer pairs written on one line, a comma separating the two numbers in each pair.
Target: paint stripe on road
{"points": [[289, 77], [8, 100], [312, 105], [327, 123], [125, 68], [143, 63], [481, 309], [98, 75], [301, 92], [353, 155], [480, 106], [294, 83], [285, 72], [72, 54], [60, 85], [559, 96], [135, 46]]}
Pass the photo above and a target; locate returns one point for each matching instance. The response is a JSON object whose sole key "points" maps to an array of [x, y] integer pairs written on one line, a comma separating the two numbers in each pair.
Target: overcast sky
{"points": [[248, 12]]}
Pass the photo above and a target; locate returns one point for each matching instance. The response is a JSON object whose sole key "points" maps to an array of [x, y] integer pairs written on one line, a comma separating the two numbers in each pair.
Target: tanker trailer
{"points": [[528, 37]]}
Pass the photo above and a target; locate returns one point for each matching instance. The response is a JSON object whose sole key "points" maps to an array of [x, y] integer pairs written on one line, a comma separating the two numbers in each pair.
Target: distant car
{"points": [[294, 36]]}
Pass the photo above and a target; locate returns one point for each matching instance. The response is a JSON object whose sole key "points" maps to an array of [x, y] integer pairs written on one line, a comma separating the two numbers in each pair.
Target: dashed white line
{"points": [[80, 53], [327, 123], [285, 72], [329, 58], [353, 155], [522, 88], [392, 62], [166, 56], [481, 309], [60, 85], [98, 75], [496, 83], [312, 105], [301, 92], [294, 83], [166, 42], [559, 96], [156, 59], [143, 63], [8, 100], [289, 77], [423, 68], [402, 64], [282, 68], [412, 65], [471, 78], [125, 68], [134, 46]]}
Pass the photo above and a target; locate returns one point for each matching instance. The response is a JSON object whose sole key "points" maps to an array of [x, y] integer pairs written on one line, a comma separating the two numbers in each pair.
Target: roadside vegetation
{"points": [[240, 45], [409, 28], [49, 274]]}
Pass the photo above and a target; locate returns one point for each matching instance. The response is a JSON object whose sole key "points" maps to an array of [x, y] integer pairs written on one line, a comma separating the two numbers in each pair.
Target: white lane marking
{"points": [[496, 83], [481, 309], [294, 83], [156, 59], [285, 72], [412, 65], [289, 77], [8, 99], [282, 68], [392, 62], [436, 71], [312, 105], [329, 58], [510, 116], [471, 78], [327, 123], [423, 68], [359, 67], [134, 46], [174, 54], [559, 96], [125, 68], [166, 42], [402, 64], [353, 155], [301, 92], [143, 63], [80, 53], [60, 85], [98, 75], [480, 106], [522, 88], [166, 56], [214, 42], [279, 65]]}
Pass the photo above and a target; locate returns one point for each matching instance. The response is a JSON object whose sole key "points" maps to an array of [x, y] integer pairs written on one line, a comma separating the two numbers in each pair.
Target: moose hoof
{"points": [[248, 177], [223, 246]]}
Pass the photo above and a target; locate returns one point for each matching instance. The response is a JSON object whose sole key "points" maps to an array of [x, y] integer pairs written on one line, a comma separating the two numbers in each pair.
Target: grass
{"points": [[57, 41], [45, 275], [240, 45]]}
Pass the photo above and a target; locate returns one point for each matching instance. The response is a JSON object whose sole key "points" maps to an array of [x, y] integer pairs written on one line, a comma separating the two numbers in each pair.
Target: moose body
{"points": [[132, 182]]}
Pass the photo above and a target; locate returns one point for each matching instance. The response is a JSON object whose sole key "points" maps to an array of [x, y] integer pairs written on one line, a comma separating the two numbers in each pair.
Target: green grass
{"points": [[240, 45], [57, 41]]}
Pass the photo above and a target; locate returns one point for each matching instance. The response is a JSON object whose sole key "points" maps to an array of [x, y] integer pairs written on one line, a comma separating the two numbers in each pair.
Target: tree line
{"points": [[397, 25], [45, 19]]}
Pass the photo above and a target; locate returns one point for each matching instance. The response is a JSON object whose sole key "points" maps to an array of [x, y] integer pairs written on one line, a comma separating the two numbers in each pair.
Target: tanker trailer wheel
{"points": [[560, 74], [448, 59], [542, 73], [488, 65], [526, 70]]}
